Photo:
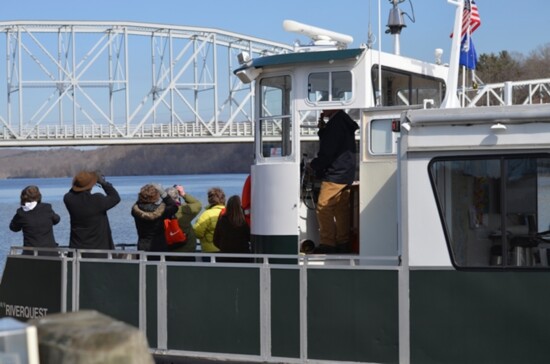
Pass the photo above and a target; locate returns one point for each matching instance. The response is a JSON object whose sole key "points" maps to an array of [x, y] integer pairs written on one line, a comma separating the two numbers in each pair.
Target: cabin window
{"points": [[405, 89], [382, 139], [329, 86], [275, 130], [496, 210]]}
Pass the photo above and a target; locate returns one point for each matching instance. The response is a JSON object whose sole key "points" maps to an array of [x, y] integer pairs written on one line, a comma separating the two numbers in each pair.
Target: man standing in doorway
{"points": [[335, 165]]}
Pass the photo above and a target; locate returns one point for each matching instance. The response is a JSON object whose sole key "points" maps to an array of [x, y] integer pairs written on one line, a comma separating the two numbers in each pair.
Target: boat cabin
{"points": [[374, 88]]}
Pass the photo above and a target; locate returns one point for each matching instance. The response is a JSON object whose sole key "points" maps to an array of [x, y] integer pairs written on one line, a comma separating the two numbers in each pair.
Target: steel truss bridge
{"points": [[88, 82], [100, 83]]}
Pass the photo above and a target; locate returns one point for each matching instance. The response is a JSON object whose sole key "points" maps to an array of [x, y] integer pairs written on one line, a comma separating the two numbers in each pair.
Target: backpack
{"points": [[175, 237]]}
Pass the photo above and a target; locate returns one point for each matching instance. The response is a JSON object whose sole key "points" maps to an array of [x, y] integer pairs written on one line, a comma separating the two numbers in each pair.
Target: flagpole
{"points": [[451, 98], [463, 85]]}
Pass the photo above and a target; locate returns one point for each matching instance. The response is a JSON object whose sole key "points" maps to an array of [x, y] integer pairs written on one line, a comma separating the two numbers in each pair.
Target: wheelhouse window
{"points": [[329, 86], [400, 88], [275, 123], [496, 211]]}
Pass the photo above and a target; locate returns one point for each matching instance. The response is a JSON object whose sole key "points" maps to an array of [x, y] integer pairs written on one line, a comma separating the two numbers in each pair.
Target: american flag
{"points": [[470, 18]]}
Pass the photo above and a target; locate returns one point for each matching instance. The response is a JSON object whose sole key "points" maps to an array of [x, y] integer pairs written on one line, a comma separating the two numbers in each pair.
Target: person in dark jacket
{"points": [[232, 233], [335, 165], [90, 227], [36, 219], [152, 207]]}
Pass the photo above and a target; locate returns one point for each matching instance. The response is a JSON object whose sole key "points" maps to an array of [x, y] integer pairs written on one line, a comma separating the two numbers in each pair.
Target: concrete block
{"points": [[89, 337]]}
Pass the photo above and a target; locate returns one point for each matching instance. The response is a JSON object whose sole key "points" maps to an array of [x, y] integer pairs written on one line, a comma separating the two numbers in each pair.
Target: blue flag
{"points": [[468, 56]]}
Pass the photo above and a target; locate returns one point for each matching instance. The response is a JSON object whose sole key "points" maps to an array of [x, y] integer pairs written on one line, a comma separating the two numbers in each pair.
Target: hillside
{"points": [[127, 160]]}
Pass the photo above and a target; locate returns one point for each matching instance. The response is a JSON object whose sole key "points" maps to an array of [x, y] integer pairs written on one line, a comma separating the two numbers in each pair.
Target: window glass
{"points": [[329, 86], [318, 86], [381, 137], [399, 88], [275, 123], [480, 198], [341, 86]]}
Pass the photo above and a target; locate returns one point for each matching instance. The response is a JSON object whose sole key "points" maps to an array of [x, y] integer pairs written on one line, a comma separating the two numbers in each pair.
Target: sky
{"points": [[512, 25]]}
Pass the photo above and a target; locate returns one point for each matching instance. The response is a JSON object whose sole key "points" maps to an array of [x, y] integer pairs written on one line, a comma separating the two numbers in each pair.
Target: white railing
{"points": [[507, 93]]}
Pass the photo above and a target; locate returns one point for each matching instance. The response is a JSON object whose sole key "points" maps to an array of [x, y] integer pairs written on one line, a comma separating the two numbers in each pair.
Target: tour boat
{"points": [[450, 225]]}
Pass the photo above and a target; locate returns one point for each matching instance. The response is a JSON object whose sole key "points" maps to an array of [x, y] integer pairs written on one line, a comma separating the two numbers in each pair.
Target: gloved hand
{"points": [[161, 190], [100, 178]]}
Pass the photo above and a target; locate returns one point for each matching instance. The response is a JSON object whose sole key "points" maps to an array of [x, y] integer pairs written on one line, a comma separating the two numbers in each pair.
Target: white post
{"points": [[451, 99]]}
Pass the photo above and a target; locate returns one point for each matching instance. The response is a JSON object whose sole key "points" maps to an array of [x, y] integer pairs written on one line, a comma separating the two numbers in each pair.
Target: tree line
{"points": [[128, 160], [513, 66]]}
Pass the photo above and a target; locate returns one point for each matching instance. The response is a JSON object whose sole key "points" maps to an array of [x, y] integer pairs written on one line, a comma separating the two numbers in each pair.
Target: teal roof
{"points": [[303, 57]]}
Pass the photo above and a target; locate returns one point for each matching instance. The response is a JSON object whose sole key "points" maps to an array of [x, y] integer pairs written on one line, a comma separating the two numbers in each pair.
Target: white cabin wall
{"points": [[378, 209], [427, 246]]}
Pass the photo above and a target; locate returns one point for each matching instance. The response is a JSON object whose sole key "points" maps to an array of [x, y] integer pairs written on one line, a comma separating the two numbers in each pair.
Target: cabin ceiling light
{"points": [[498, 127]]}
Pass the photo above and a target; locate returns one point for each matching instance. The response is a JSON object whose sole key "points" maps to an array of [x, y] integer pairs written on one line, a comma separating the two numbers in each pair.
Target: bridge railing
{"points": [[186, 132]]}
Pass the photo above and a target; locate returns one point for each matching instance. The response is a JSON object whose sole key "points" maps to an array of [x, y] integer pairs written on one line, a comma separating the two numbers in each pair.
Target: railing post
{"points": [[142, 292], [162, 328], [508, 93], [265, 310]]}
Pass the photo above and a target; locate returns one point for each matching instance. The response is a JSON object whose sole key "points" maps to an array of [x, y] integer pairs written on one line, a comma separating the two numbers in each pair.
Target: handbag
{"points": [[173, 234]]}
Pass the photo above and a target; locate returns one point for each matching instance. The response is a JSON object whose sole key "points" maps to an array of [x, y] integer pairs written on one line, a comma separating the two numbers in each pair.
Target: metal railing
{"points": [[161, 268]]}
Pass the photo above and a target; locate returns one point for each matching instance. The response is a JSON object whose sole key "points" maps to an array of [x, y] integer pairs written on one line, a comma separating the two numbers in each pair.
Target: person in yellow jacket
{"points": [[206, 222]]}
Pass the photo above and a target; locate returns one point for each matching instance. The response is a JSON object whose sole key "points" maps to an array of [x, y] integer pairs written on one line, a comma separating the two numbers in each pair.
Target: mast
{"points": [[451, 98], [395, 24]]}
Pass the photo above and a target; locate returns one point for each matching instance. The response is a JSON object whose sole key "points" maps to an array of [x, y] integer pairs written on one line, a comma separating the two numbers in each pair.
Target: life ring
{"points": [[245, 199]]}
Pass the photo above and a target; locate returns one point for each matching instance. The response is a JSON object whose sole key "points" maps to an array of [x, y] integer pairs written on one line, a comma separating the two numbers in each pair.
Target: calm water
{"points": [[122, 223]]}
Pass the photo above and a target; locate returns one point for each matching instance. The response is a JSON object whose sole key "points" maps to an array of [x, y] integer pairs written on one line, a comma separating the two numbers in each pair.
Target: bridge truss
{"points": [[81, 83]]}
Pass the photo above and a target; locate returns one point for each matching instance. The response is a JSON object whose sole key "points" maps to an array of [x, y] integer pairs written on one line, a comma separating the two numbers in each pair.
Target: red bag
{"points": [[173, 233]]}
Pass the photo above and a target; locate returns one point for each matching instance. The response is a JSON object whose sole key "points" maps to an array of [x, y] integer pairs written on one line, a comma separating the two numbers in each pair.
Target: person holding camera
{"points": [[151, 208], [90, 227]]}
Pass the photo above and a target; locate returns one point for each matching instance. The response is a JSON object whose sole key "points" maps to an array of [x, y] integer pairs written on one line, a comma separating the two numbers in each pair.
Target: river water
{"points": [[122, 223]]}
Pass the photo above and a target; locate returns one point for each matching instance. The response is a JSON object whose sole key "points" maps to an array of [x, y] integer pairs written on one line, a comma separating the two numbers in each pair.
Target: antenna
{"points": [[319, 36]]}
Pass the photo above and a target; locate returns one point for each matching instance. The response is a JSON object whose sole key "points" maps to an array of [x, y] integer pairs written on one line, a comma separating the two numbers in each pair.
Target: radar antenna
{"points": [[319, 36]]}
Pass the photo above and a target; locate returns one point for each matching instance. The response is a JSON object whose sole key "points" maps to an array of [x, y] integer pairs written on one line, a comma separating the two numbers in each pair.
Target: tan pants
{"points": [[333, 213]]}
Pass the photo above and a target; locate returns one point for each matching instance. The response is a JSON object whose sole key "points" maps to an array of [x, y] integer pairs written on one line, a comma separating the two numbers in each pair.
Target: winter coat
{"points": [[37, 225], [90, 227], [186, 213], [336, 160], [205, 226], [231, 239], [149, 219]]}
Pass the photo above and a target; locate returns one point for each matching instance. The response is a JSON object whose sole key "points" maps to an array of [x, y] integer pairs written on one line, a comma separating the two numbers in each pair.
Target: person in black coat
{"points": [[232, 233], [36, 219], [90, 227], [152, 207], [335, 165]]}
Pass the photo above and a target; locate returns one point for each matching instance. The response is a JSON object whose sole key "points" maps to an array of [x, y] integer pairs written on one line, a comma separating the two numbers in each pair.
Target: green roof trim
{"points": [[303, 57]]}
